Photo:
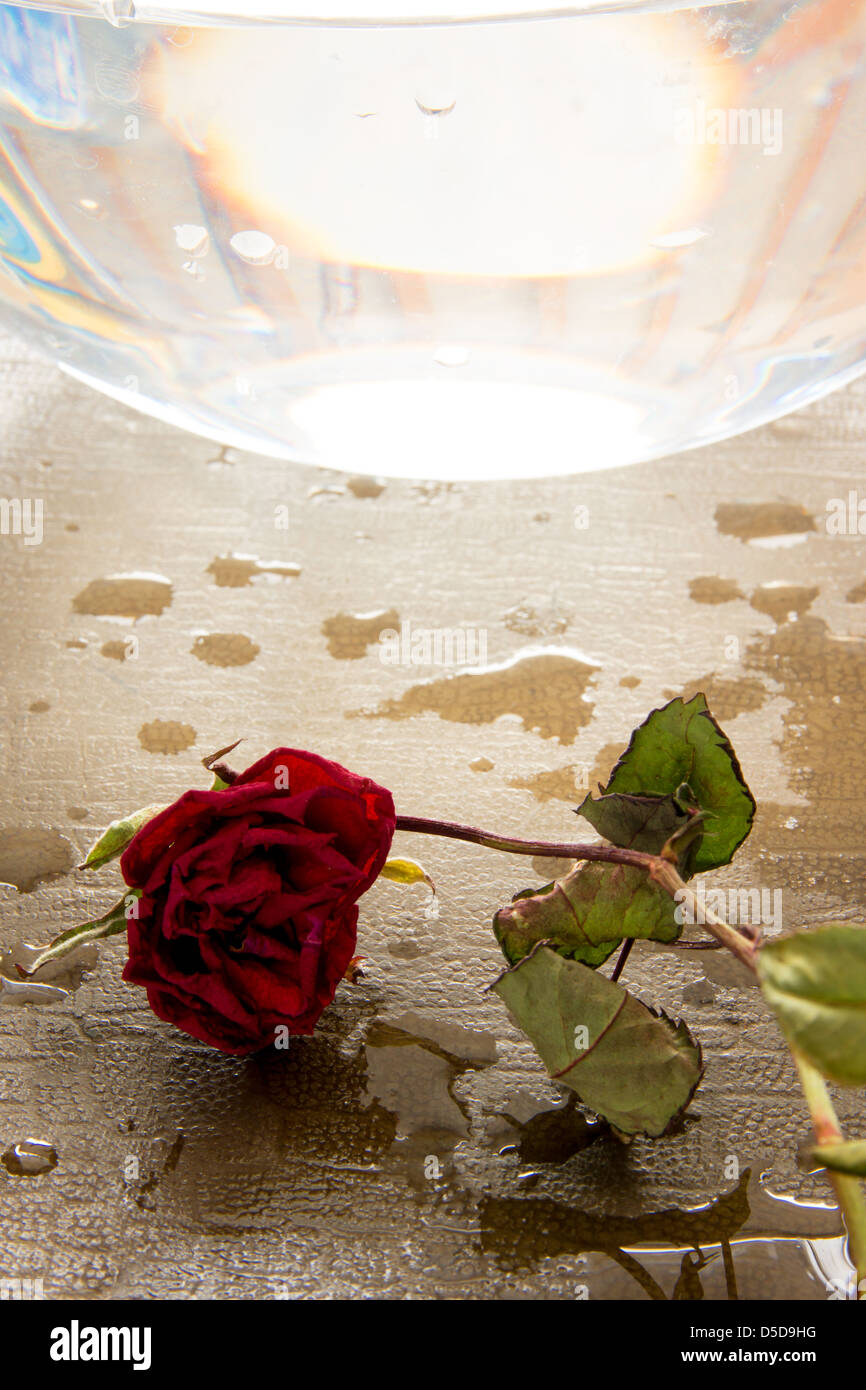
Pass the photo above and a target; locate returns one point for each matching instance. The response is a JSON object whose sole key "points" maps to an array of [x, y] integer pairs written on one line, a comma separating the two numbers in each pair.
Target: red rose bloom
{"points": [[247, 913]]}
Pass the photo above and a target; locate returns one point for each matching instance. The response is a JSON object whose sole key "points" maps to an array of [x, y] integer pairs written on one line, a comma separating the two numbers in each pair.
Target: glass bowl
{"points": [[451, 243]]}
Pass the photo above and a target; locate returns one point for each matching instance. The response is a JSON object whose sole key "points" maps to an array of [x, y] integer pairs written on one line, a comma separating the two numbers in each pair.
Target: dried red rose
{"points": [[247, 915]]}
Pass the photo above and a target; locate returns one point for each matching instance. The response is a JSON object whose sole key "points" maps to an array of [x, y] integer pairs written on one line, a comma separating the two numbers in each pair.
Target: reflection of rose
{"points": [[247, 914]]}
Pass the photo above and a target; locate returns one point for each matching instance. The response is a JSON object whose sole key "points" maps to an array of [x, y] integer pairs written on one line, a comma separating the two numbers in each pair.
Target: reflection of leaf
{"points": [[681, 742], [688, 1285], [521, 1231], [114, 839], [111, 924], [846, 1157], [816, 984], [636, 1069], [586, 914]]}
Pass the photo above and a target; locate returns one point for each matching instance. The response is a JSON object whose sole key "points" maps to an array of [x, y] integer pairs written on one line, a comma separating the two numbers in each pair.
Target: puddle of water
{"points": [[125, 596], [366, 486], [39, 707], [553, 784], [350, 634], [599, 774], [760, 521], [67, 972], [77, 644], [18, 992], [225, 649], [726, 696], [545, 690], [166, 736], [77, 812], [779, 600], [29, 1158], [481, 765], [32, 856], [710, 589], [698, 992], [465, 1045], [629, 682], [237, 571], [116, 650]]}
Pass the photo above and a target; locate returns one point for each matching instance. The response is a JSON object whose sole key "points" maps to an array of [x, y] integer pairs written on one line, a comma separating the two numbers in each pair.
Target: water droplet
{"points": [[166, 736], [29, 1158], [225, 649], [181, 38], [90, 208], [256, 248], [350, 634], [673, 240], [236, 571], [436, 101], [451, 355], [118, 12], [125, 596], [194, 269], [192, 239]]}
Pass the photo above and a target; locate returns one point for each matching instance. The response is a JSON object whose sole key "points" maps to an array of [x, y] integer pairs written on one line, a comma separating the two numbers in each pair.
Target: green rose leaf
{"points": [[646, 823], [635, 1068], [406, 871], [849, 1156], [680, 744], [113, 922], [113, 840], [586, 914], [815, 982]]}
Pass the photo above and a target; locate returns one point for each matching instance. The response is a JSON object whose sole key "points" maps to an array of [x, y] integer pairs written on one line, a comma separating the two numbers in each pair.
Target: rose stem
{"points": [[622, 958], [847, 1188], [660, 870]]}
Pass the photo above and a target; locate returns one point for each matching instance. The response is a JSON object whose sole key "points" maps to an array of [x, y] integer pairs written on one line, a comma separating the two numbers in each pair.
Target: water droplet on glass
{"points": [[192, 239], [194, 269], [91, 208], [29, 1158], [118, 12], [435, 101], [451, 355], [181, 38], [256, 248]]}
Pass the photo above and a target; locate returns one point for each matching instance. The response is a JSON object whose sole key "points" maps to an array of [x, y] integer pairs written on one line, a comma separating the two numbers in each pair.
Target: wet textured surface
{"points": [[413, 1145]]}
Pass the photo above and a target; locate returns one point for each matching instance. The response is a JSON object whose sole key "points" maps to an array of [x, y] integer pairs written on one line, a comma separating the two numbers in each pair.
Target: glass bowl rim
{"points": [[346, 13]]}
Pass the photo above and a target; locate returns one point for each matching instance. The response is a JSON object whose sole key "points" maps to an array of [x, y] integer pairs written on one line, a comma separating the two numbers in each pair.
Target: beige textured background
{"points": [[304, 1175]]}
